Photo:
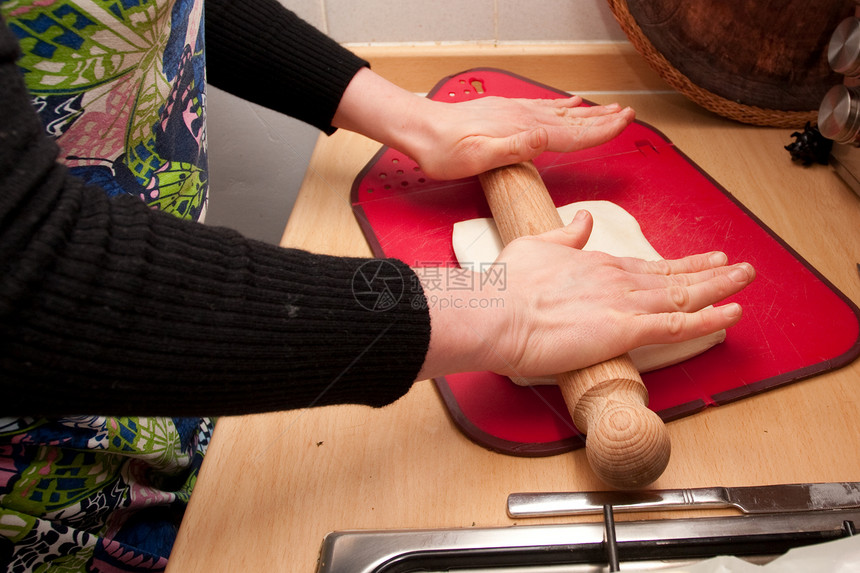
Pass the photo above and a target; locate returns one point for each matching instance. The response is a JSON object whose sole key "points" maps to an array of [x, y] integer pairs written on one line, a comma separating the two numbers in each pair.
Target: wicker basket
{"points": [[715, 102]]}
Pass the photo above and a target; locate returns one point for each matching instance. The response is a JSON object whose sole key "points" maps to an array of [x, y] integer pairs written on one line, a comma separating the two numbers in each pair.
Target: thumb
{"points": [[573, 235]]}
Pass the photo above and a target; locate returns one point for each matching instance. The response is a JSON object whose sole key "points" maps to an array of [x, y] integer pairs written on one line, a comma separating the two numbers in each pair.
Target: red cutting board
{"points": [[796, 324]]}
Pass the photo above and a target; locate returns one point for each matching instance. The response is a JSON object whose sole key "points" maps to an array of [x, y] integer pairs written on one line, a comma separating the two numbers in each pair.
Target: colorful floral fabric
{"points": [[120, 85], [93, 493]]}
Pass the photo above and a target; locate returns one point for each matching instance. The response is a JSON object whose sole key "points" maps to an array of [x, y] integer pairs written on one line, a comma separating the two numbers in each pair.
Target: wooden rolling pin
{"points": [[626, 444]]}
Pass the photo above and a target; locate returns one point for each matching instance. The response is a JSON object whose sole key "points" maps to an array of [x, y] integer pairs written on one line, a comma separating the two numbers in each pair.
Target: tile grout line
{"points": [[324, 14], [496, 21]]}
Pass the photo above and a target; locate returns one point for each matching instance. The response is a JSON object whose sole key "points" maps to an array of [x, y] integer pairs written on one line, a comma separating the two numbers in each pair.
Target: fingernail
{"points": [[580, 215], [718, 259], [740, 273], [535, 138], [731, 310], [613, 106]]}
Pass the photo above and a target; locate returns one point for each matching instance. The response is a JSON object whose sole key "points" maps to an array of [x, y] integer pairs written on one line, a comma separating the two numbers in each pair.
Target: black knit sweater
{"points": [[108, 307]]}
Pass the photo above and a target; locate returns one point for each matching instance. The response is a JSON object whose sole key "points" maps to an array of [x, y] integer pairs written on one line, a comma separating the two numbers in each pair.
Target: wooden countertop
{"points": [[273, 485]]}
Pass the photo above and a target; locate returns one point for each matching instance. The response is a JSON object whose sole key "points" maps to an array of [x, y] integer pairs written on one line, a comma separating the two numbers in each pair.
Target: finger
{"points": [[589, 111], [573, 235], [689, 264], [691, 292], [566, 112], [582, 133], [573, 101], [666, 328], [585, 116]]}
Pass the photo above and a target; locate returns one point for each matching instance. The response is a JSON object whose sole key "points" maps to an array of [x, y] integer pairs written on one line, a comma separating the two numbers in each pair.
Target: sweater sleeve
{"points": [[260, 51], [108, 307]]}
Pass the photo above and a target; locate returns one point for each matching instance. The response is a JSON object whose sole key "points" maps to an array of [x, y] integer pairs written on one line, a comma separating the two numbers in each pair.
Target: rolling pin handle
{"points": [[627, 444]]}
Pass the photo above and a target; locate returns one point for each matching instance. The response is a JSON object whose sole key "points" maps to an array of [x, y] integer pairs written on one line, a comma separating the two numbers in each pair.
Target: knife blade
{"points": [[748, 499]]}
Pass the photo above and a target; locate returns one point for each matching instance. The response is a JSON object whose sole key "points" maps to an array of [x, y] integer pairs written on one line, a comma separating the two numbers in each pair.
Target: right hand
{"points": [[562, 308]]}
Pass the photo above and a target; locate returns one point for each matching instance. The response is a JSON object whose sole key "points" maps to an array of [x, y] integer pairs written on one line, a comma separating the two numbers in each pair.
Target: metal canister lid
{"points": [[843, 52], [839, 114]]}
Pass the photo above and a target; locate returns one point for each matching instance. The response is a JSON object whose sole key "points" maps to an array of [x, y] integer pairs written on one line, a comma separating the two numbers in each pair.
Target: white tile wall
{"points": [[557, 20], [407, 21], [258, 158], [410, 20], [312, 11]]}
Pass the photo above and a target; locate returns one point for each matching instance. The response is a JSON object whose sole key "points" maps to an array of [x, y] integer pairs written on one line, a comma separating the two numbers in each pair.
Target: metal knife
{"points": [[757, 499]]}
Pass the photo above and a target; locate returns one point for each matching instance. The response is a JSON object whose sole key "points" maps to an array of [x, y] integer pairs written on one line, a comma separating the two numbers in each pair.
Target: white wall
{"points": [[258, 158], [371, 21]]}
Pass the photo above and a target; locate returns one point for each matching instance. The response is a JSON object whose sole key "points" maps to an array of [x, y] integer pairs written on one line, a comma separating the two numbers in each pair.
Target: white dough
{"points": [[477, 244]]}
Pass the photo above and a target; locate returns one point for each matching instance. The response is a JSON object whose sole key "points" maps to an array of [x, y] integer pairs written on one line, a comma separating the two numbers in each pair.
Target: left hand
{"points": [[475, 136], [453, 140]]}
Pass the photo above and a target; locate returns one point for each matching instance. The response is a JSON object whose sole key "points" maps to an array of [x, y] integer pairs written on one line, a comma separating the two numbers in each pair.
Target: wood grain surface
{"points": [[273, 485]]}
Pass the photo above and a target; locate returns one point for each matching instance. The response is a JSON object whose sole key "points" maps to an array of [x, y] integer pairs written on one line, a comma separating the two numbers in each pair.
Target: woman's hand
{"points": [[453, 140], [559, 308], [474, 136]]}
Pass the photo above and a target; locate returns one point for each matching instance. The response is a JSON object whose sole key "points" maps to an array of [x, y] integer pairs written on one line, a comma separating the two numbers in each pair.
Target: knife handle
{"points": [[627, 444]]}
